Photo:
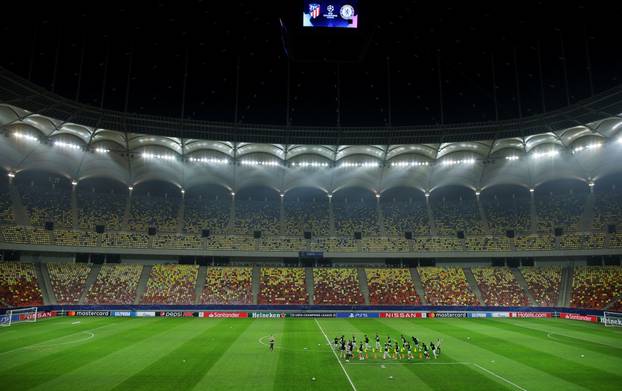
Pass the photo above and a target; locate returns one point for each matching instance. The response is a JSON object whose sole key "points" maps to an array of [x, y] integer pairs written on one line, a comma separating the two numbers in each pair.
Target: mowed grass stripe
{"points": [[461, 348], [599, 363], [71, 341], [125, 362], [45, 332], [436, 376], [537, 357], [68, 357], [615, 352], [183, 367], [296, 366], [590, 333], [247, 362]]}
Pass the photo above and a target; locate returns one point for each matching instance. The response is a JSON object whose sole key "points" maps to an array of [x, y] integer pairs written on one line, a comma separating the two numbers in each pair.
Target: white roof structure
{"points": [[44, 131]]}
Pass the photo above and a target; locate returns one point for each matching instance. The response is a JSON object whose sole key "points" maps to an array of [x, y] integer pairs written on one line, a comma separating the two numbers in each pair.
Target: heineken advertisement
{"points": [[266, 314]]}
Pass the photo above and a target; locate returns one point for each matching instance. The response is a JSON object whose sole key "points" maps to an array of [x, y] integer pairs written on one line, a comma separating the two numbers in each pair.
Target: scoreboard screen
{"points": [[331, 13]]}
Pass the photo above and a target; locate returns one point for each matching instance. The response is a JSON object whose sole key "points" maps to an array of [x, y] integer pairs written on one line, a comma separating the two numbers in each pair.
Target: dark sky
{"points": [[540, 52]]}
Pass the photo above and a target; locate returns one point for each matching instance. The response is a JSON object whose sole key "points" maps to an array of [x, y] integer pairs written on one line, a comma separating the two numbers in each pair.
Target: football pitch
{"points": [[232, 354]]}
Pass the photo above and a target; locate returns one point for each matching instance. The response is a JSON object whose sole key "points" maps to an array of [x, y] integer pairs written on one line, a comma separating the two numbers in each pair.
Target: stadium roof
{"points": [[136, 148]]}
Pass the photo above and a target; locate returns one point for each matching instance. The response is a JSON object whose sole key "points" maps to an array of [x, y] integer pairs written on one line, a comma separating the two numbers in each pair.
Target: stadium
{"points": [[198, 202]]}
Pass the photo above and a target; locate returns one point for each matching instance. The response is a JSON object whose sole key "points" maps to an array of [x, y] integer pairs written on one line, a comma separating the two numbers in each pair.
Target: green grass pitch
{"points": [[231, 354]]}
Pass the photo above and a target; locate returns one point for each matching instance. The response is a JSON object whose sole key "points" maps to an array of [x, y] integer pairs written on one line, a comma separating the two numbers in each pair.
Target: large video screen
{"points": [[331, 13]]}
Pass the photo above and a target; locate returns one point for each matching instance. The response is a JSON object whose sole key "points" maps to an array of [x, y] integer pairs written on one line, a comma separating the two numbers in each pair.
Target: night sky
{"points": [[133, 56]]}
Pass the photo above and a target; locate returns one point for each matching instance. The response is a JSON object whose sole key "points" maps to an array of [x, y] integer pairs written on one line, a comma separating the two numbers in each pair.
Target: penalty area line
{"points": [[500, 377], [335, 354]]}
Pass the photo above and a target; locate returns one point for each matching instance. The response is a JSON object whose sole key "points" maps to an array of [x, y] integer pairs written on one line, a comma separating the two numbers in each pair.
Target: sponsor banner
{"points": [[124, 314], [188, 314], [403, 315], [311, 315], [357, 315], [40, 315], [225, 314], [611, 321], [447, 315], [145, 314], [500, 314], [91, 313], [585, 318], [170, 314], [480, 315], [530, 314], [270, 315]]}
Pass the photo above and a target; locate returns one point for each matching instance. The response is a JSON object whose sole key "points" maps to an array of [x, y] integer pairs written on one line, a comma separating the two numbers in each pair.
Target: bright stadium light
{"points": [[74, 183], [310, 164], [512, 158], [130, 188], [205, 160], [451, 162], [550, 154], [477, 193], [64, 145], [232, 194], [11, 175], [26, 137], [155, 156], [330, 195], [377, 195], [183, 191], [589, 147], [269, 163], [102, 150], [282, 195], [359, 164], [532, 190], [427, 194], [406, 164]]}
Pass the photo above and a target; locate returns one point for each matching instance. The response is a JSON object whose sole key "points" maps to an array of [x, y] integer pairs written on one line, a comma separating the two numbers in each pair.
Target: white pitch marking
{"points": [[408, 363], [91, 335], [336, 357], [500, 377]]}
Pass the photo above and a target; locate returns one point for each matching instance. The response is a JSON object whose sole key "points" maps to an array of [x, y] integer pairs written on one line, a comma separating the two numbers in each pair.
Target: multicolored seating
{"points": [[255, 215], [18, 285], [451, 215], [336, 286], [595, 286], [446, 286], [499, 287], [115, 284], [391, 287], [543, 284], [171, 284], [68, 280], [95, 208], [507, 212], [355, 215], [405, 216], [559, 210], [282, 286], [46, 200], [153, 211], [304, 214], [205, 212], [228, 285]]}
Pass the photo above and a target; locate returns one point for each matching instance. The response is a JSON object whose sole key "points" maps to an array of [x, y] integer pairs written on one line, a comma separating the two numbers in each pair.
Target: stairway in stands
{"points": [[587, 217], [198, 288], [256, 278], [45, 286], [523, 284], [74, 209], [19, 211], [95, 268], [142, 284], [181, 213], [418, 285], [309, 283], [565, 290], [363, 284], [473, 285]]}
